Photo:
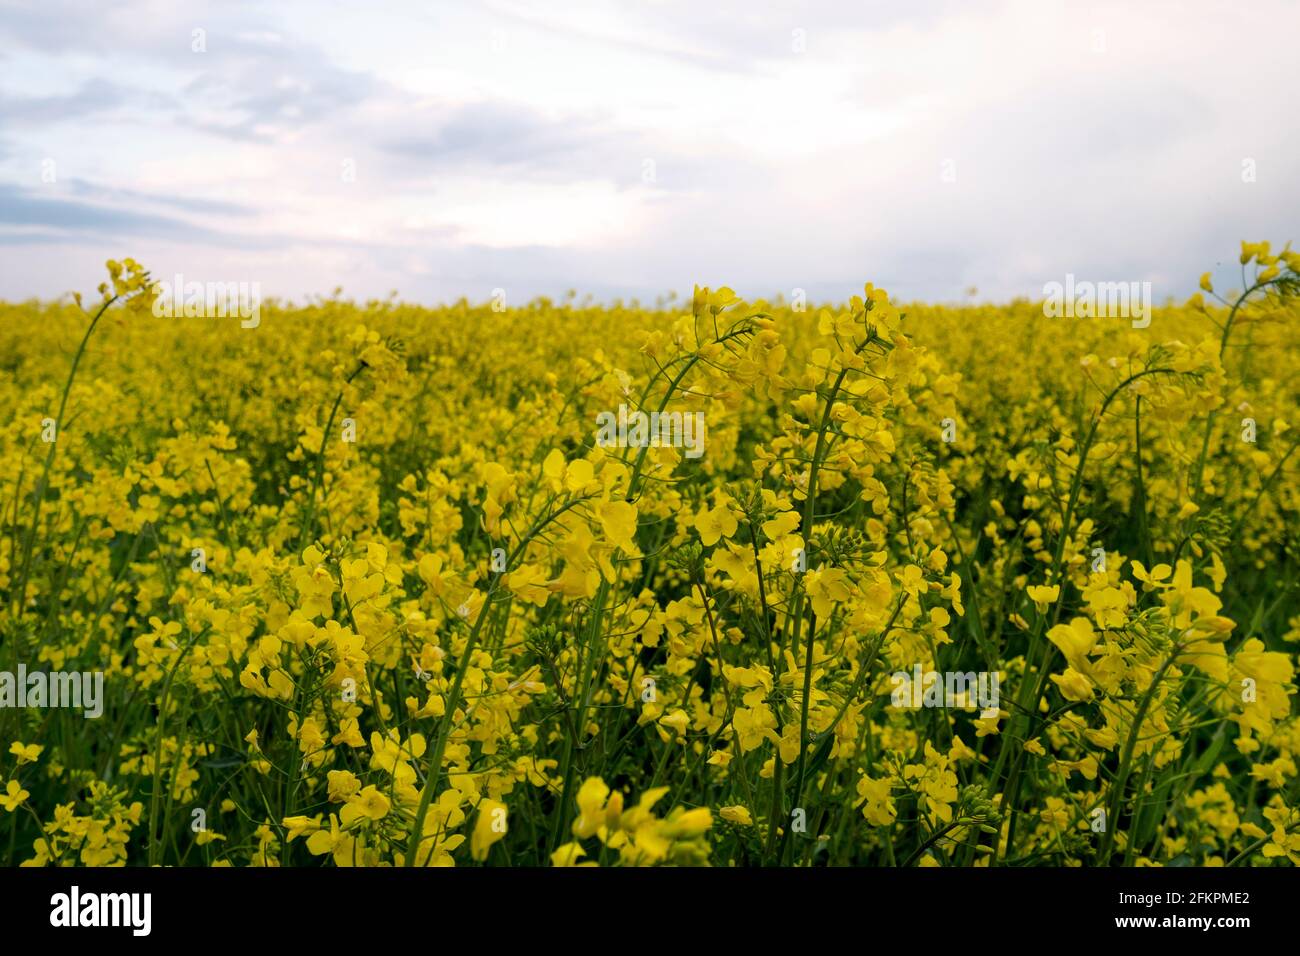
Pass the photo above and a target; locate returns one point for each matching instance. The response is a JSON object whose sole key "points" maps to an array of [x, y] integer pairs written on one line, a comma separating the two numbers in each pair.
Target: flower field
{"points": [[704, 582]]}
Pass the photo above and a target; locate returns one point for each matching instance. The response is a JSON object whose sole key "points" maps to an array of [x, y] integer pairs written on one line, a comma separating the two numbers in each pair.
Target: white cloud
{"points": [[502, 144]]}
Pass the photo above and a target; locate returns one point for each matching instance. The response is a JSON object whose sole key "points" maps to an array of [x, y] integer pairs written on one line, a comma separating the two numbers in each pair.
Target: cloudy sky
{"points": [[634, 147]]}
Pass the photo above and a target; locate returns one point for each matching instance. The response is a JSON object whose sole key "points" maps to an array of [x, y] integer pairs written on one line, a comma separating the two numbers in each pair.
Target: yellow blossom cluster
{"points": [[365, 589]]}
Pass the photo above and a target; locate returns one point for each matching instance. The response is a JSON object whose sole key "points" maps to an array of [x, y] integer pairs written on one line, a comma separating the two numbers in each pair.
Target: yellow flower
{"points": [[826, 588], [14, 797], [1075, 640], [953, 593], [26, 753], [1043, 595], [489, 828], [736, 814], [1252, 250], [716, 523], [368, 804], [618, 522], [300, 826], [568, 855], [1073, 685], [591, 807], [986, 726], [878, 806], [677, 722], [685, 824], [342, 785], [1153, 578], [346, 524]]}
